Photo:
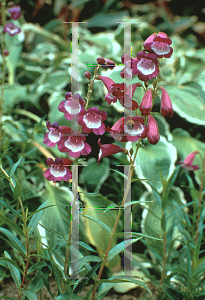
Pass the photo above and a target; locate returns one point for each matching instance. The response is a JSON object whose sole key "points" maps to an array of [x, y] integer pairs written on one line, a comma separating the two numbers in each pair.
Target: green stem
{"points": [[116, 222], [90, 86], [3, 19], [200, 199]]}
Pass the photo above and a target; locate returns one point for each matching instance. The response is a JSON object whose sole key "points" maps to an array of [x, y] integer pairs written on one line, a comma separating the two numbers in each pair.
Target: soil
{"points": [[9, 289]]}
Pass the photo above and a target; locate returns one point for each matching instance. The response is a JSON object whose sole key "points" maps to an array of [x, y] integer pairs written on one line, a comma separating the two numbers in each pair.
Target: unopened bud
{"points": [[6, 52], [87, 74], [100, 60]]}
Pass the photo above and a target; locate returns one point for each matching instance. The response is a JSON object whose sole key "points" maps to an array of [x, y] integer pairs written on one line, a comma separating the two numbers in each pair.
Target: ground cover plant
{"points": [[106, 187]]}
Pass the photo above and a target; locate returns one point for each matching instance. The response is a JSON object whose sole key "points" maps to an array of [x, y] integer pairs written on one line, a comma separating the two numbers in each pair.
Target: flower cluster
{"points": [[128, 128], [15, 13]]}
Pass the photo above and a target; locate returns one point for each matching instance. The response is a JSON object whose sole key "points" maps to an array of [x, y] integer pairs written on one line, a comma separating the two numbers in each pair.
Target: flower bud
{"points": [[166, 104], [87, 74], [6, 52], [146, 104], [152, 131], [100, 60]]}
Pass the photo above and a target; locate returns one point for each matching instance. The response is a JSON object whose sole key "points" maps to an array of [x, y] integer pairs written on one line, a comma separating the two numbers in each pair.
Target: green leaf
{"points": [[57, 80], [17, 190], [12, 225], [120, 247], [36, 218], [4, 261], [57, 219], [88, 258], [13, 169], [152, 225], [182, 96], [104, 289], [119, 279], [107, 228], [97, 235], [153, 160], [10, 208], [37, 283], [30, 295], [14, 241], [94, 175]]}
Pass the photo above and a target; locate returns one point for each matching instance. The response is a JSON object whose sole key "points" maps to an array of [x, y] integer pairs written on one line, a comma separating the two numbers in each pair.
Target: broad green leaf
{"points": [[185, 144], [188, 102], [97, 235], [15, 93], [57, 219], [36, 218], [153, 161], [12, 225], [94, 175], [15, 270], [120, 247], [14, 241], [151, 221], [107, 228], [120, 279], [57, 80], [30, 295], [13, 169]]}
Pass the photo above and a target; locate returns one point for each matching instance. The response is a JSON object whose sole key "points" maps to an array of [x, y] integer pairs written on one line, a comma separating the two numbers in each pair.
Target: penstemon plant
{"points": [[64, 227]]}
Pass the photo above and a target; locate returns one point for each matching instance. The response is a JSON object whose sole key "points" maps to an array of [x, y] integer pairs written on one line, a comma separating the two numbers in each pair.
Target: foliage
{"points": [[166, 201]]}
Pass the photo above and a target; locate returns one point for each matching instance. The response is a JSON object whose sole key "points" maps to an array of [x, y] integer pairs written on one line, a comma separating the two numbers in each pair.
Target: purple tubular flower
{"points": [[53, 136], [126, 100], [12, 29], [15, 12], [146, 104], [145, 66], [188, 162], [159, 44], [58, 170], [92, 120], [128, 129], [117, 90], [72, 106], [108, 149], [166, 104], [75, 145], [152, 131]]}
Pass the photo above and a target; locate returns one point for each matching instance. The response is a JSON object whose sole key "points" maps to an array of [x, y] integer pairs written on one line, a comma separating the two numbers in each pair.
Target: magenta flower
{"points": [[166, 104], [128, 129], [11, 28], [152, 131], [126, 100], [92, 120], [58, 169], [53, 136], [108, 149], [188, 162], [72, 106], [75, 145], [146, 104], [15, 12], [117, 91], [145, 66], [159, 44], [127, 70]]}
